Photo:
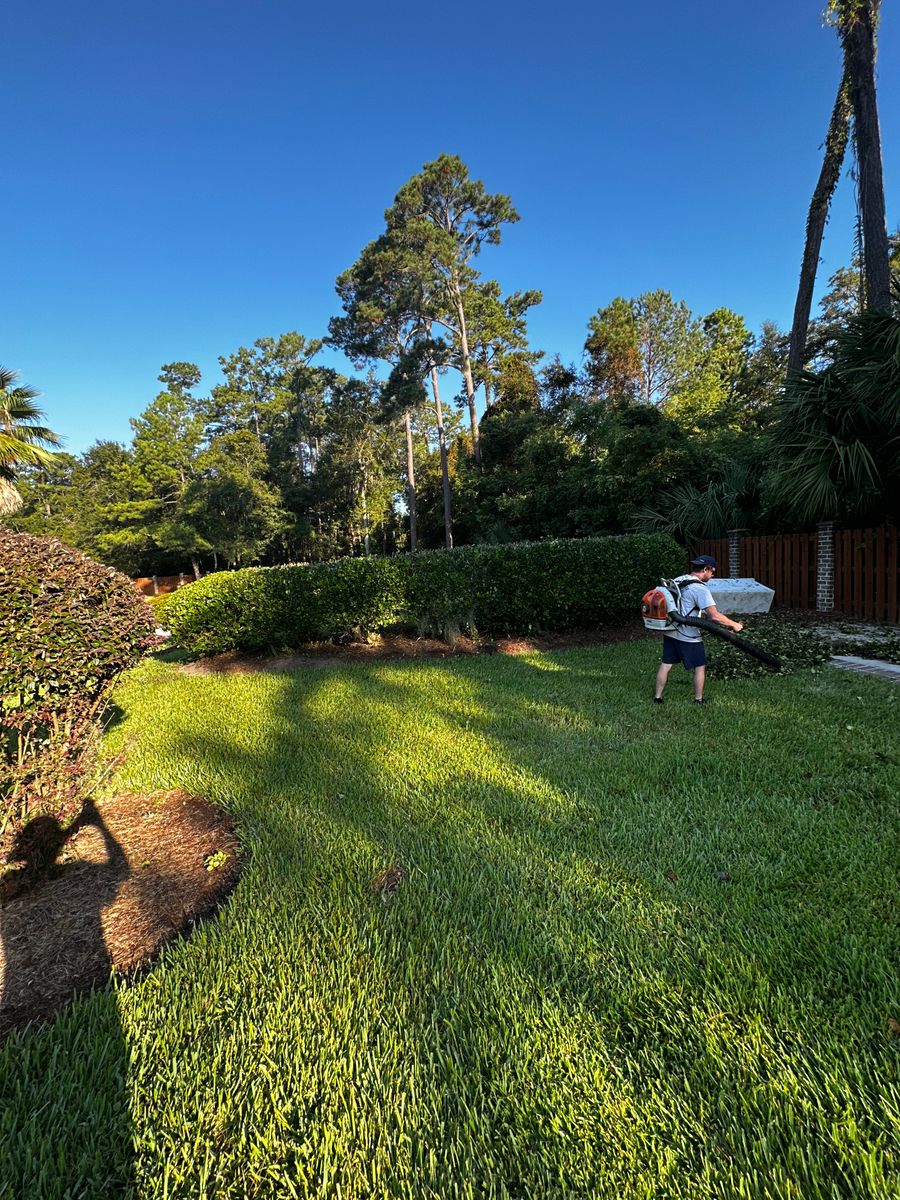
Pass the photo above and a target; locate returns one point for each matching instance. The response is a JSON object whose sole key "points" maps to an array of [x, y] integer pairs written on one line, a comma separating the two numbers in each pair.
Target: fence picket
{"points": [[880, 566]]}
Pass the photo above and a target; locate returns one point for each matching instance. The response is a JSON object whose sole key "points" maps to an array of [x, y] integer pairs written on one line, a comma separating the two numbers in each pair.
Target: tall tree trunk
{"points": [[195, 566], [467, 372], [835, 148], [410, 481], [445, 472], [487, 392], [298, 433], [365, 501], [857, 27]]}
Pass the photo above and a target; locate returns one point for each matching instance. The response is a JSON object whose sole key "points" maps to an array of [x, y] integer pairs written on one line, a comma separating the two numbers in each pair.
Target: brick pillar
{"points": [[734, 553], [825, 567]]}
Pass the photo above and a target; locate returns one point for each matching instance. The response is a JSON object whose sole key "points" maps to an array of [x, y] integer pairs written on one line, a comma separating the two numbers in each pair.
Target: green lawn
{"points": [[541, 1012]]}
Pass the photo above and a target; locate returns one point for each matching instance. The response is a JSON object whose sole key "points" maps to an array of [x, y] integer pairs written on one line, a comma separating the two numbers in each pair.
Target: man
{"points": [[684, 644]]}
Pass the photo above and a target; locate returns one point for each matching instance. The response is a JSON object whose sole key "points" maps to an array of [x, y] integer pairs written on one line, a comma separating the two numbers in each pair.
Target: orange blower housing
{"points": [[655, 608]]}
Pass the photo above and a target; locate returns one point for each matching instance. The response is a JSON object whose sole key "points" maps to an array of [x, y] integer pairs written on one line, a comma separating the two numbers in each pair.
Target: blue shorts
{"points": [[692, 654]]}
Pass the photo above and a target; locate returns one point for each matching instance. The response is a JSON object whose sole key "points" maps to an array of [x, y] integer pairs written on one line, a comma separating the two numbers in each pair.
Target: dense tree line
{"points": [[664, 423], [669, 420]]}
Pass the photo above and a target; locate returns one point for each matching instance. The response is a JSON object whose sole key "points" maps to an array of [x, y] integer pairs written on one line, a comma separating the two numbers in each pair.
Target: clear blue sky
{"points": [[183, 178]]}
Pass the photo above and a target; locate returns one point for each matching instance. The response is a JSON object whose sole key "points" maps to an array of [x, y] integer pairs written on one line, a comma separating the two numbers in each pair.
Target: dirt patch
{"points": [[134, 873], [389, 647]]}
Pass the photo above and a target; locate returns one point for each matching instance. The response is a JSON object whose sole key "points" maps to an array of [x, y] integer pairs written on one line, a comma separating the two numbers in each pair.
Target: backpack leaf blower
{"points": [[660, 610]]}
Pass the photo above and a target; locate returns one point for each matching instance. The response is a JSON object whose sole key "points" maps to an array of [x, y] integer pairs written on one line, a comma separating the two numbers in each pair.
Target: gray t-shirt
{"points": [[695, 596]]}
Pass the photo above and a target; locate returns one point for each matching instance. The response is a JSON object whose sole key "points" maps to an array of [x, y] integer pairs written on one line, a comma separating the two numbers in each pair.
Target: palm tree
{"points": [[835, 450], [22, 439], [856, 22], [835, 147]]}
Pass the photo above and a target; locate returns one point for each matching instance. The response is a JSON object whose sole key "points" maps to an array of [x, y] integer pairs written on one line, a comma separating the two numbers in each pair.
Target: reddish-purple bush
{"points": [[69, 627]]}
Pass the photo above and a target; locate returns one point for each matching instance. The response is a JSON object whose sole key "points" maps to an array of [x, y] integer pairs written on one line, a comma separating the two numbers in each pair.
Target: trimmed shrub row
{"points": [[525, 587]]}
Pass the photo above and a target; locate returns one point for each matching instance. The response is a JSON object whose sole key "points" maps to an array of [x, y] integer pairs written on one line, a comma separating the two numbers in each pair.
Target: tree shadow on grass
{"points": [[87, 1055], [537, 891]]}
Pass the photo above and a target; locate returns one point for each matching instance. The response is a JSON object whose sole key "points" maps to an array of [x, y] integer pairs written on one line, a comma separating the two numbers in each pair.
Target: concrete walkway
{"points": [[866, 666]]}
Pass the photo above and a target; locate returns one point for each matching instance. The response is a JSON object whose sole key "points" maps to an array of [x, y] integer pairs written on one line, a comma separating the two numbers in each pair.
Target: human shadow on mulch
{"points": [[41, 945], [78, 905], [37, 934], [132, 879]]}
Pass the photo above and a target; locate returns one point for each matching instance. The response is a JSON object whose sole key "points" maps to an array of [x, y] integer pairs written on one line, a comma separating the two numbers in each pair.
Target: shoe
{"points": [[700, 701], [657, 699]]}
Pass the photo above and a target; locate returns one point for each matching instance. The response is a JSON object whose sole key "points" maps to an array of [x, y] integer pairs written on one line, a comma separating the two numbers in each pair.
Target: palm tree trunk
{"points": [[835, 148], [857, 28], [10, 500], [410, 482], [445, 472]]}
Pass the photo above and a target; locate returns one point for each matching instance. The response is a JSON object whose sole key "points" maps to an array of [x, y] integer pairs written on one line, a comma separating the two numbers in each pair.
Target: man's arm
{"points": [[714, 615]]}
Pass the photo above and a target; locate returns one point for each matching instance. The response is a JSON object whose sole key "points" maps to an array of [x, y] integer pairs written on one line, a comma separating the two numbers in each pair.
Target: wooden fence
{"points": [[865, 574], [717, 547], [161, 585], [866, 571], [786, 563]]}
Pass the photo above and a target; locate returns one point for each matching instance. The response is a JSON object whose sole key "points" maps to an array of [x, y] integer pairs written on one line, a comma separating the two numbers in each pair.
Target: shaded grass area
{"points": [[641, 951]]}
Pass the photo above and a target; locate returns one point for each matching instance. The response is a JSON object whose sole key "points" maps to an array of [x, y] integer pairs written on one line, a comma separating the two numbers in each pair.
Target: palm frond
{"points": [[21, 451], [22, 438]]}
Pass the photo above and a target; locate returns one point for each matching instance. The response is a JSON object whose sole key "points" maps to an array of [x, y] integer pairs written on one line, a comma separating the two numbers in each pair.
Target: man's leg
{"points": [[699, 681], [661, 676]]}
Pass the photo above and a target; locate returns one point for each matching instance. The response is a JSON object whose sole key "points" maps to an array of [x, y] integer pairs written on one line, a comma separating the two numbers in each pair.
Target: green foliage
{"points": [[518, 588], [261, 608], [496, 329], [835, 451], [708, 401], [68, 628], [791, 641], [155, 602], [647, 348], [844, 300], [689, 512], [231, 507], [613, 356]]}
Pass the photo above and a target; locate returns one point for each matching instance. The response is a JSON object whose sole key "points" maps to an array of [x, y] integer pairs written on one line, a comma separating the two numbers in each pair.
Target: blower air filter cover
{"points": [[655, 608]]}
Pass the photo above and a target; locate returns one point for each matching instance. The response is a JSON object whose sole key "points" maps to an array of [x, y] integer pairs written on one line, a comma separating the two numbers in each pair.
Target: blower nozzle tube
{"points": [[726, 636]]}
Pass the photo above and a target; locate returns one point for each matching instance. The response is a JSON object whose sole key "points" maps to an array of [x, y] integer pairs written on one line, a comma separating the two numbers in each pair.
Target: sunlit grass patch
{"points": [[635, 951]]}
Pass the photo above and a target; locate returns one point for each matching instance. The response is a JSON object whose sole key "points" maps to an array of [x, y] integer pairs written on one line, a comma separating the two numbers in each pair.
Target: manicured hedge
{"points": [[68, 628], [526, 587]]}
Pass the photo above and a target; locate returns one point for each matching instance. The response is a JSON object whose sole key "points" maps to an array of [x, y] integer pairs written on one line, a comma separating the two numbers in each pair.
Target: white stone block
{"points": [[741, 595]]}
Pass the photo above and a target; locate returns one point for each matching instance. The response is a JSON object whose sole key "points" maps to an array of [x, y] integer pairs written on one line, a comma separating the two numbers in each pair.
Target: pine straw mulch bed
{"points": [[389, 647], [130, 875]]}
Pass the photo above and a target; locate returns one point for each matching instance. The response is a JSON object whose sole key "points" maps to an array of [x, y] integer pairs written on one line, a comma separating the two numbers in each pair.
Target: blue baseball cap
{"points": [[704, 560]]}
